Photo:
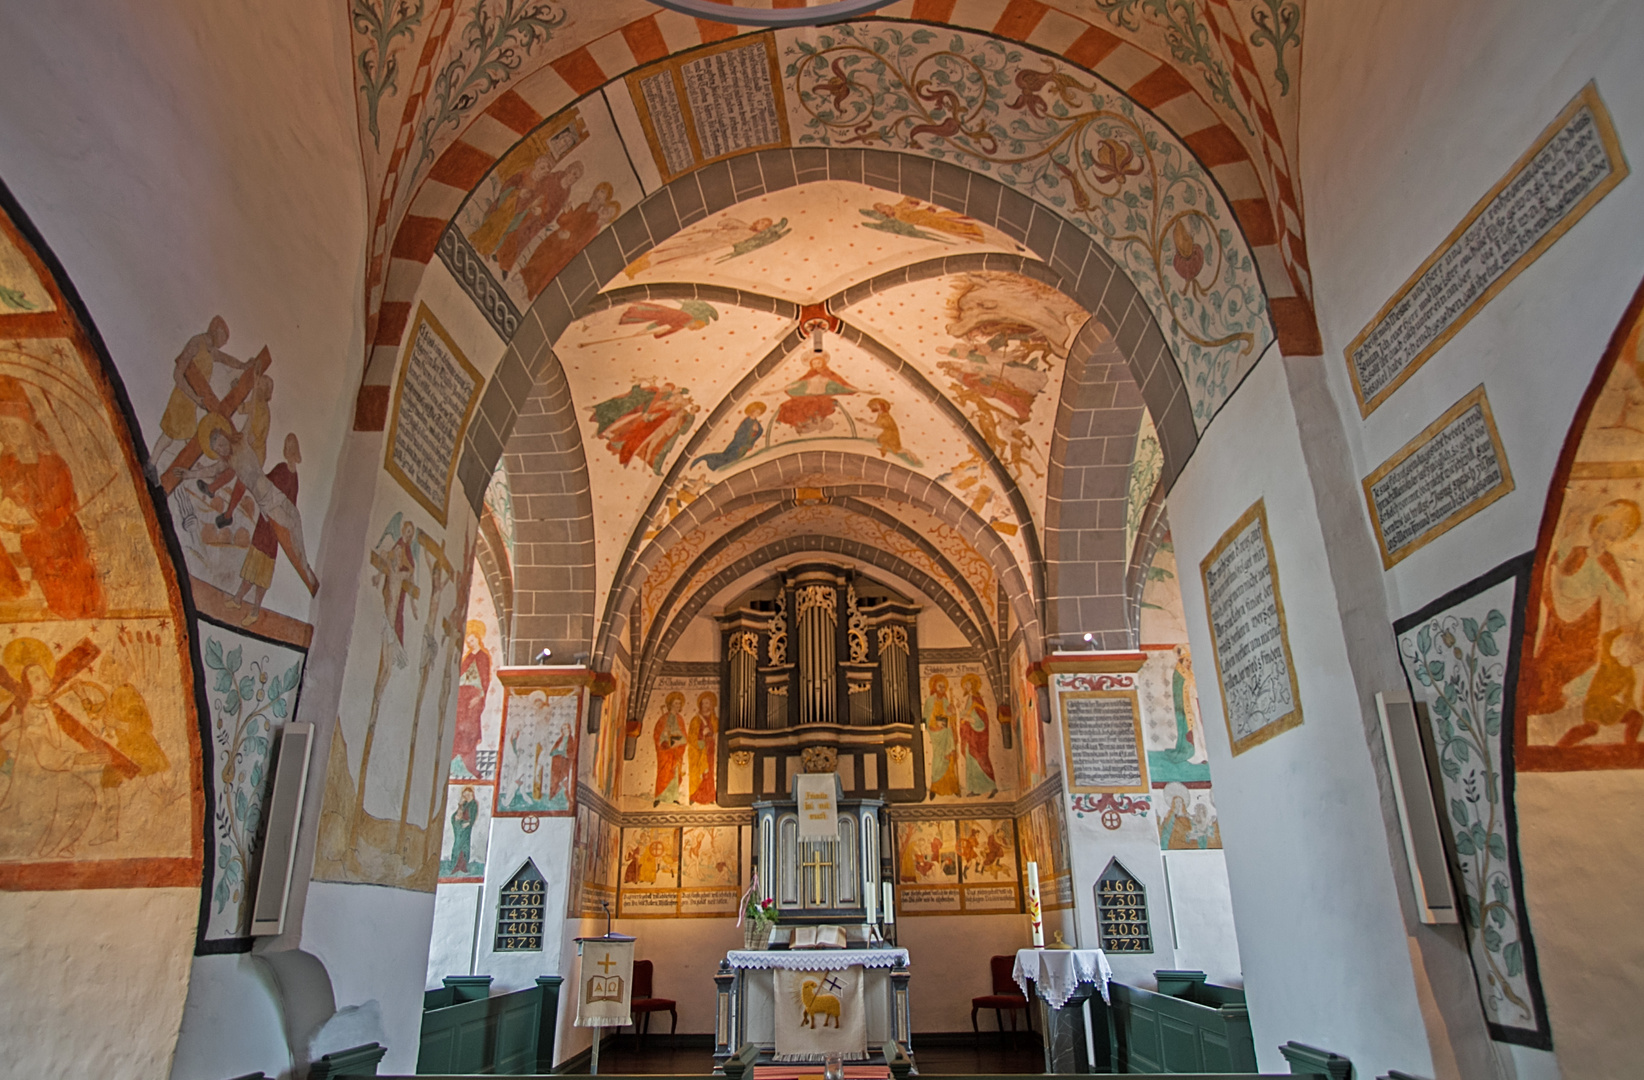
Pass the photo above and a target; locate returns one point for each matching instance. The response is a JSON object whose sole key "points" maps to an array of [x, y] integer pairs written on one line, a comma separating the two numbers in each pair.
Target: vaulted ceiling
{"points": [[948, 291]]}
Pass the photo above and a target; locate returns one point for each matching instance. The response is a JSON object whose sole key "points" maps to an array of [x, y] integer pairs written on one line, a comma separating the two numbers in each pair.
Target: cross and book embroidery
{"points": [[604, 986]]}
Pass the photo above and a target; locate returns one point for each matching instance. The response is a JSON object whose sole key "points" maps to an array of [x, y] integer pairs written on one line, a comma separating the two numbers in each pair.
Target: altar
{"points": [[749, 1001]]}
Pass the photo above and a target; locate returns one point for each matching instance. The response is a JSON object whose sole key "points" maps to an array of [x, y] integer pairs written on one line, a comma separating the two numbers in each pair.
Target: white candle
{"points": [[890, 904], [871, 894], [1035, 912]]}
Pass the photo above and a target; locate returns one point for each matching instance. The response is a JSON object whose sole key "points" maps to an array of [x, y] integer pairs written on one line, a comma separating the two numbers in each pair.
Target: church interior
{"points": [[520, 517]]}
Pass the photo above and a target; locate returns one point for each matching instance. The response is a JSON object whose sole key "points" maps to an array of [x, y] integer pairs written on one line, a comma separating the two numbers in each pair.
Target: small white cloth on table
{"points": [[1058, 972], [816, 959]]}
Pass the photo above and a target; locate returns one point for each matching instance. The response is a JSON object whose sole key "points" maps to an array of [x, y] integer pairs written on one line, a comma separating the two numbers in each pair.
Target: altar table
{"points": [[747, 992], [1071, 984]]}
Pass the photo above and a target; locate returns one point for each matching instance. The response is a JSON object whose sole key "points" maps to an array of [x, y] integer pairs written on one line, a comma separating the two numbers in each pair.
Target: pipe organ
{"points": [[820, 658]]}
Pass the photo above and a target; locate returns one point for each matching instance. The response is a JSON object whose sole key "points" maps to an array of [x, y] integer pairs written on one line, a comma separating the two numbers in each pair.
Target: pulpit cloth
{"points": [[815, 959], [819, 1012], [605, 988], [1058, 972]]}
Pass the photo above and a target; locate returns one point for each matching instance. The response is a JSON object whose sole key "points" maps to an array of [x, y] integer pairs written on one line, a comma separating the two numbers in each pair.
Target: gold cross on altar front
{"points": [[815, 867]]}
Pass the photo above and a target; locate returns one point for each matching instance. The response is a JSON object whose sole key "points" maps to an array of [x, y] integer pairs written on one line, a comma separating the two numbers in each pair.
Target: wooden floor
{"points": [[943, 1054]]}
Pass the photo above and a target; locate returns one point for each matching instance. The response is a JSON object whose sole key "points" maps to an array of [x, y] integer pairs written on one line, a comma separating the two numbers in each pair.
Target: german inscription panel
{"points": [[668, 121], [1252, 655], [1438, 483], [1102, 747], [732, 101], [436, 390], [1535, 203]]}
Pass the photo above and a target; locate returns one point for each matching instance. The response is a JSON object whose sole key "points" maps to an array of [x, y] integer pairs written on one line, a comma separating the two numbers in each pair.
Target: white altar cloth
{"points": [[816, 959], [1058, 972]]}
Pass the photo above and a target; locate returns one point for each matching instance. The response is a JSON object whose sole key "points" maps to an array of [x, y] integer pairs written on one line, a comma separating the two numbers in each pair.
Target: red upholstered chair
{"points": [[1006, 995], [644, 1003]]}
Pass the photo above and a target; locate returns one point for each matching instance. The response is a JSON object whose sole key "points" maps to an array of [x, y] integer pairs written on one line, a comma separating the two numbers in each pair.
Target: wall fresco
{"points": [[251, 691], [99, 750], [536, 762], [965, 754], [1578, 701]]}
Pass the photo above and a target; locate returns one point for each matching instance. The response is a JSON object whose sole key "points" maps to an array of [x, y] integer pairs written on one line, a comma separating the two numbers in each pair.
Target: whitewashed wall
{"points": [[1412, 113]]}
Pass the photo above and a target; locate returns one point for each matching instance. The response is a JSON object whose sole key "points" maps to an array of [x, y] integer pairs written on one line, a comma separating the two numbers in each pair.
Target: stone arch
{"points": [[812, 544], [1091, 450], [654, 651], [783, 472]]}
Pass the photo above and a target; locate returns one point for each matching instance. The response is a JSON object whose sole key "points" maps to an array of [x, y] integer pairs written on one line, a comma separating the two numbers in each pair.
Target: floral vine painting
{"points": [[1460, 653], [251, 689], [1068, 140]]}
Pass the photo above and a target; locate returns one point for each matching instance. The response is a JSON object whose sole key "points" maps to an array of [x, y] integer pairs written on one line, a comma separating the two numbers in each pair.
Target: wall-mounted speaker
{"points": [[285, 808], [1407, 759]]}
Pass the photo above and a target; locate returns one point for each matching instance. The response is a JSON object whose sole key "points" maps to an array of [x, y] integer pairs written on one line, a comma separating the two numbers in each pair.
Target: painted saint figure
{"points": [[473, 686], [462, 832], [973, 735], [701, 739], [944, 756], [645, 422], [743, 440], [577, 226], [669, 737], [765, 233], [40, 507], [911, 218], [810, 406]]}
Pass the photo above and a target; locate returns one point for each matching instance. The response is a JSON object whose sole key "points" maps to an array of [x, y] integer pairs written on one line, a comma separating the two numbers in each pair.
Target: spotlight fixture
{"points": [[1090, 639], [542, 657], [814, 15]]}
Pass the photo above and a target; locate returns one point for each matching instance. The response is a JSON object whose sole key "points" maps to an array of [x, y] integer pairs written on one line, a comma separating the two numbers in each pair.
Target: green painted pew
{"points": [[1187, 1026], [465, 1031]]}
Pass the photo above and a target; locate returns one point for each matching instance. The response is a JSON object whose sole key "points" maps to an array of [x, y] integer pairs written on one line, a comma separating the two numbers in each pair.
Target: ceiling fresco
{"points": [[997, 346], [527, 142], [439, 82], [804, 244], [644, 375]]}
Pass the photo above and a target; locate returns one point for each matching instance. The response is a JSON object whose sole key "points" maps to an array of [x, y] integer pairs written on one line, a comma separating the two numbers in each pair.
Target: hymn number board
{"points": [[520, 907], [1121, 911]]}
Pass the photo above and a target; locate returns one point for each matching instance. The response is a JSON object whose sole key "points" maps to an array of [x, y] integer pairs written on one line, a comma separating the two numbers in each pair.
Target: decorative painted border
{"points": [[426, 316], [1292, 719], [1519, 571], [1587, 99], [1476, 397], [1062, 699]]}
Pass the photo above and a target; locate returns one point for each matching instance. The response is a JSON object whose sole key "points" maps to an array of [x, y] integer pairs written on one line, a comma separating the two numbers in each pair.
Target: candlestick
{"points": [[890, 904], [1035, 912]]}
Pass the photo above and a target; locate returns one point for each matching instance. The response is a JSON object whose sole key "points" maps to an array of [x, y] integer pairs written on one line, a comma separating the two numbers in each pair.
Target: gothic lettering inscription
{"points": [[732, 101], [1574, 163], [1102, 734], [718, 102], [1247, 630], [668, 121], [1451, 471], [437, 391]]}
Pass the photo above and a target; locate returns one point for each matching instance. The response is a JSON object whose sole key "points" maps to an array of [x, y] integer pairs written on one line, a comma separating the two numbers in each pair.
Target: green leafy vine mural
{"points": [[1189, 41], [494, 43], [379, 66], [1279, 25], [1071, 142], [1457, 661], [244, 708]]}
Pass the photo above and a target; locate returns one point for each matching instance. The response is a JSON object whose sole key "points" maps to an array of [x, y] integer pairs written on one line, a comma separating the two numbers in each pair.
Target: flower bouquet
{"points": [[758, 918]]}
